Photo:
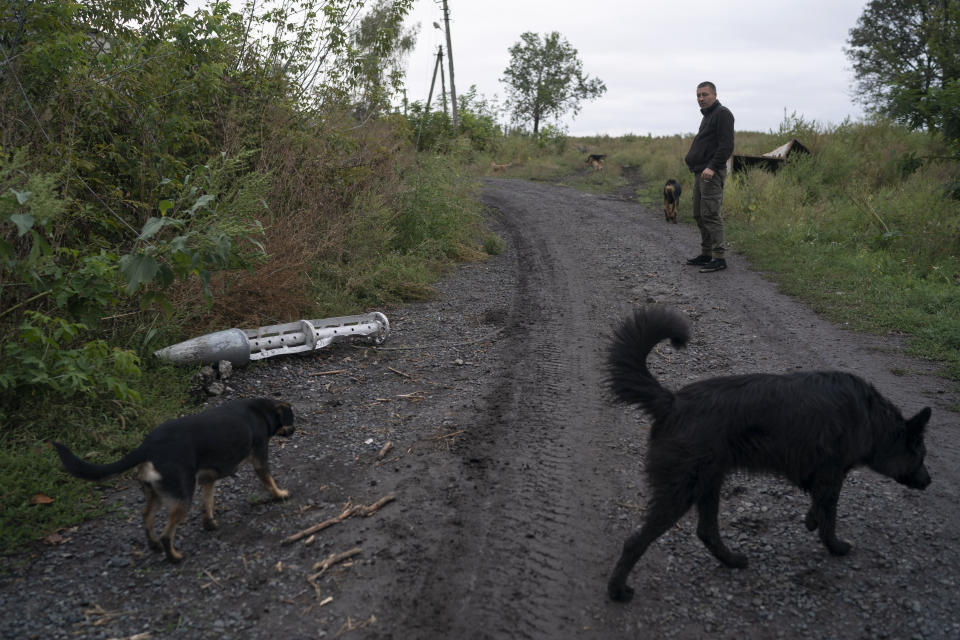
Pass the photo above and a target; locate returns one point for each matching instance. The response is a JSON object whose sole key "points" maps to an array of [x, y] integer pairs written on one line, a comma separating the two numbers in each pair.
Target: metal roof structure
{"points": [[772, 160]]}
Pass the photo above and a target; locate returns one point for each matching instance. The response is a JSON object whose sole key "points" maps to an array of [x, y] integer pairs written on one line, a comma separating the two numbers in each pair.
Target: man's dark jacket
{"points": [[714, 142]]}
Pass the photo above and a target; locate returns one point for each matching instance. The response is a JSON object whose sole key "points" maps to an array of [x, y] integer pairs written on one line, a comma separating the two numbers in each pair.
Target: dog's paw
{"points": [[620, 593], [735, 560], [811, 521], [172, 554], [210, 524], [281, 494], [838, 547]]}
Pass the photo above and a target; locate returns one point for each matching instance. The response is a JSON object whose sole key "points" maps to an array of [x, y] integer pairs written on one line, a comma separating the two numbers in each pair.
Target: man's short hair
{"points": [[712, 86]]}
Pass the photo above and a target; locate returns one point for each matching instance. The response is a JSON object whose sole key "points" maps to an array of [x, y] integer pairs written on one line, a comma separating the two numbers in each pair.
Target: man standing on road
{"points": [[707, 159]]}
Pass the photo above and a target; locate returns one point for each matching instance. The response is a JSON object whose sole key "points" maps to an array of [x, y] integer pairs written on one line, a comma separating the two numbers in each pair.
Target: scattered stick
{"points": [[350, 625], [326, 563], [449, 435], [349, 511], [401, 373], [383, 452], [370, 509], [332, 559], [207, 573], [319, 526], [396, 457], [327, 373]]}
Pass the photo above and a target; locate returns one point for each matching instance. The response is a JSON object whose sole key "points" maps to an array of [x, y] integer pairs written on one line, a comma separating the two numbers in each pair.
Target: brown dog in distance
{"points": [[595, 160], [671, 200]]}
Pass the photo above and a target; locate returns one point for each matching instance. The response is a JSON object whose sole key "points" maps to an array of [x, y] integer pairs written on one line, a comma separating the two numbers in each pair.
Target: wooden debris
{"points": [[449, 435], [401, 373], [396, 457], [349, 511], [327, 373], [207, 573], [102, 615], [326, 563], [350, 625], [332, 559], [384, 450]]}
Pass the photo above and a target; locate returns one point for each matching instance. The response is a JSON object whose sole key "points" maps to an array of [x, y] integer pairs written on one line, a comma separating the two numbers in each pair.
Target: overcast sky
{"points": [[765, 56]]}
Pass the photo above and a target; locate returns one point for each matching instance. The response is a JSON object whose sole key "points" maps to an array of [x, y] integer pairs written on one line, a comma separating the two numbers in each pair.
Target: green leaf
{"points": [[202, 201], [165, 276], [138, 269], [24, 222], [153, 225], [164, 206], [22, 196]]}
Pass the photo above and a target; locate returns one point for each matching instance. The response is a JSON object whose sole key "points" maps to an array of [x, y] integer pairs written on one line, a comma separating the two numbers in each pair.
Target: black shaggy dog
{"points": [[202, 448], [811, 428]]}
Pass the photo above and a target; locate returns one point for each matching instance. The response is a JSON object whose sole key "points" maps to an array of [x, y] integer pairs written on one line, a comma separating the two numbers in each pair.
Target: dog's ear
{"points": [[284, 413], [917, 424]]}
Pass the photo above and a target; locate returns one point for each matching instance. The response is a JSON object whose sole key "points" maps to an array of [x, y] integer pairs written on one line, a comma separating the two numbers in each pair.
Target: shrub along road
{"points": [[515, 480]]}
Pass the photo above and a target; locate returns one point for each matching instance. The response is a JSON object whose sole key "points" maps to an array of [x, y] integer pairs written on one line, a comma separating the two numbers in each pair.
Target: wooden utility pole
{"points": [[433, 82], [443, 85], [453, 86]]}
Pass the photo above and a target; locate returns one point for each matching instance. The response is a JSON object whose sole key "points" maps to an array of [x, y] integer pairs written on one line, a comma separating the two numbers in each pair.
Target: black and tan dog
{"points": [[202, 448], [671, 200], [595, 160], [811, 428]]}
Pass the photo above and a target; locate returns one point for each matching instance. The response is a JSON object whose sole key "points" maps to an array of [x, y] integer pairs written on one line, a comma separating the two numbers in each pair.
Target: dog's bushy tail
{"points": [[89, 471], [628, 376]]}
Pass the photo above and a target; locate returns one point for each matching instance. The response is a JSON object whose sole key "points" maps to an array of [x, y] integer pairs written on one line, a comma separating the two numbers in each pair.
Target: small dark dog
{"points": [[595, 160], [811, 428], [671, 200], [199, 448]]}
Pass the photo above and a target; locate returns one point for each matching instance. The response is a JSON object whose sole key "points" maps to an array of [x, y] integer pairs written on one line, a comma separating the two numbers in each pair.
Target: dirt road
{"points": [[516, 480]]}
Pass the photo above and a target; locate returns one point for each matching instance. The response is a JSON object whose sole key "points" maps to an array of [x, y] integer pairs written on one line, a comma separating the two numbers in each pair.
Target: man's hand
{"points": [[707, 174]]}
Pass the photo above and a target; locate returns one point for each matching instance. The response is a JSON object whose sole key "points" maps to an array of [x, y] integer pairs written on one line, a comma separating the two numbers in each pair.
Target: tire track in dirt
{"points": [[524, 499]]}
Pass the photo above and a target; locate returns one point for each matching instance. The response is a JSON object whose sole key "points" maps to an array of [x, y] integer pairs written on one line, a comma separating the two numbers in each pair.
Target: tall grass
{"points": [[864, 231]]}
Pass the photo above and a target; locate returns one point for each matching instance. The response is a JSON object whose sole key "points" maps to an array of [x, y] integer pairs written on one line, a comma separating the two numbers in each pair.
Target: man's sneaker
{"points": [[717, 264], [699, 260]]}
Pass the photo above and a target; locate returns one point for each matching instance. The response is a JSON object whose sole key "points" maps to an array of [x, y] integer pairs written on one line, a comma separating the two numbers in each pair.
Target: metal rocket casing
{"points": [[240, 346]]}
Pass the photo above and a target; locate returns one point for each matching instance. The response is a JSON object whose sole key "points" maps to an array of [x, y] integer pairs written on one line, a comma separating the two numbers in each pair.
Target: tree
{"points": [[906, 58], [545, 78], [382, 44]]}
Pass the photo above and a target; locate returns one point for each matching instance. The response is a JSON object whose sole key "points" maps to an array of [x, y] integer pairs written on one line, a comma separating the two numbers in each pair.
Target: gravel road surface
{"points": [[514, 478]]}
